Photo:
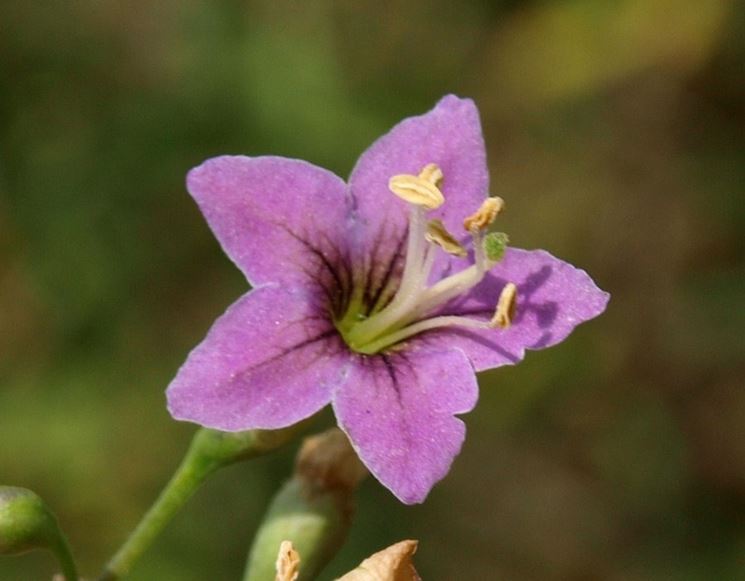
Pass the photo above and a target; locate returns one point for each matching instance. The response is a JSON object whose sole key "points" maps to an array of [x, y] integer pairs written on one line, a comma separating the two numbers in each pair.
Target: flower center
{"points": [[413, 309]]}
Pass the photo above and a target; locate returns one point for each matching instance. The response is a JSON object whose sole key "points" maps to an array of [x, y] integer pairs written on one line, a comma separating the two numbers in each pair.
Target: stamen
{"points": [[429, 261], [406, 314], [505, 307], [431, 173], [438, 234], [421, 326], [485, 215], [502, 318], [448, 288], [418, 191]]}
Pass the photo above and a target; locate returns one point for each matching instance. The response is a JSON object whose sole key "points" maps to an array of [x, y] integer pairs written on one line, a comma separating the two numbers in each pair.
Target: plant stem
{"points": [[185, 481], [209, 450], [61, 550]]}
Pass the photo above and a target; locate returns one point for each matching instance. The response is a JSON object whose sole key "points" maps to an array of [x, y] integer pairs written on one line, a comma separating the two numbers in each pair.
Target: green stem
{"points": [[185, 481], [209, 451], [61, 549]]}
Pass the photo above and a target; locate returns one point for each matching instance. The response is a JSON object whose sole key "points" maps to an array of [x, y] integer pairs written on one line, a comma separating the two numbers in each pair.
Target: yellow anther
{"points": [[485, 215], [438, 234], [431, 173], [506, 305], [421, 190]]}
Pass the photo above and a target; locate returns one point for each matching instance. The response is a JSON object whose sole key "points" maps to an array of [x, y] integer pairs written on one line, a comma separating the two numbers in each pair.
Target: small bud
{"points": [[327, 461], [485, 215], [313, 510], [438, 234], [495, 244], [506, 306], [27, 523], [288, 563], [391, 564]]}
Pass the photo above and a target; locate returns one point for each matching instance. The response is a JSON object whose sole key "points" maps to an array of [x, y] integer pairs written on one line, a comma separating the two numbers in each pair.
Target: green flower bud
{"points": [[27, 523], [313, 510]]}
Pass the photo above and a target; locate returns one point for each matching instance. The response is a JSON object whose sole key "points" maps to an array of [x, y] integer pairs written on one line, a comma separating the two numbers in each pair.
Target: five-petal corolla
{"points": [[358, 302]]}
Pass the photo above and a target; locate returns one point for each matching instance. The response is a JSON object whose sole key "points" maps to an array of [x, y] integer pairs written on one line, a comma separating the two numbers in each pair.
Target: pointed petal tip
{"points": [[199, 172], [406, 433], [459, 108], [454, 101], [597, 298], [406, 495], [412, 498]]}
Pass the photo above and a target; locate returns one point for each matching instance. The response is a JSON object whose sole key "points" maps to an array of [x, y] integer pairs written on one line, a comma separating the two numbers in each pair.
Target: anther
{"points": [[485, 215], [418, 190], [506, 305], [438, 234], [431, 173]]}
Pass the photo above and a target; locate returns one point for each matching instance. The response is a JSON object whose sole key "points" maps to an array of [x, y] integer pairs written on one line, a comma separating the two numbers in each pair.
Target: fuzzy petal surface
{"points": [[278, 219], [553, 297], [448, 135], [271, 360], [398, 409]]}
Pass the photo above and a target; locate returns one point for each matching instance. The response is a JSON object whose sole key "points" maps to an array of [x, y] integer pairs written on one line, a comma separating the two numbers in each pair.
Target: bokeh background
{"points": [[615, 133]]}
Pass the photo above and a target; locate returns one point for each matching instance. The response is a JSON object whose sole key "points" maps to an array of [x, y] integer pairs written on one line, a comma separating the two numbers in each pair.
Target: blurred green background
{"points": [[615, 133]]}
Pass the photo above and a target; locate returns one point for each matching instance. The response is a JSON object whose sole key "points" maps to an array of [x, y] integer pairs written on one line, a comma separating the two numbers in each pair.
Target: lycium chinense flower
{"points": [[381, 296]]}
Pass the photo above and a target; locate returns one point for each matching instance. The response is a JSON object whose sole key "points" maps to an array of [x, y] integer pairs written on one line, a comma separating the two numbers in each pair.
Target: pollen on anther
{"points": [[438, 234], [485, 215], [432, 173], [417, 191], [506, 306]]}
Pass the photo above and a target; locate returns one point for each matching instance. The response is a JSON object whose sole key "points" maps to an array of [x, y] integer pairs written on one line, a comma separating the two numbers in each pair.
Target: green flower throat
{"points": [[413, 309]]}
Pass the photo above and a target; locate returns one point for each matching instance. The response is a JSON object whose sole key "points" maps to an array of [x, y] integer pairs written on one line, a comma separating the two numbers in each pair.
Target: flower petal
{"points": [[553, 297], [278, 219], [397, 410], [271, 360], [448, 135]]}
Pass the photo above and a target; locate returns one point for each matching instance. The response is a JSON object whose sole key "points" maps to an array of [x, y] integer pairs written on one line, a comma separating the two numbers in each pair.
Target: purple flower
{"points": [[383, 305]]}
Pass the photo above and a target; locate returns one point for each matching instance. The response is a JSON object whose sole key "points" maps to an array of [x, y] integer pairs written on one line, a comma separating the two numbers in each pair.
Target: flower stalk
{"points": [[209, 451]]}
